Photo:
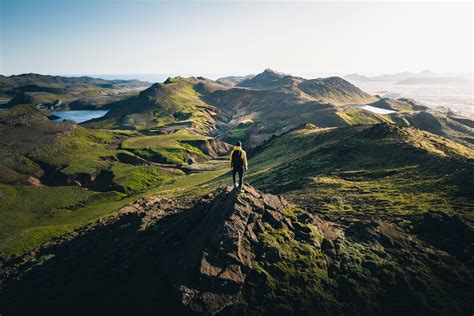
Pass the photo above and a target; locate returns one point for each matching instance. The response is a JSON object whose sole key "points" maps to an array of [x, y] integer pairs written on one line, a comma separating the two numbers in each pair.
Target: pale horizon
{"points": [[212, 39]]}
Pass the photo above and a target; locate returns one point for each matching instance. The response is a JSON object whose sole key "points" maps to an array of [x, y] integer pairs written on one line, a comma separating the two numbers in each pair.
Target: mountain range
{"points": [[345, 210], [408, 78], [59, 92]]}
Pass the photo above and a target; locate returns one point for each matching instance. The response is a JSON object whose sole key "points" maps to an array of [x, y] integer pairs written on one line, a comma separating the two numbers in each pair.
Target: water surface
{"points": [[79, 116], [377, 110]]}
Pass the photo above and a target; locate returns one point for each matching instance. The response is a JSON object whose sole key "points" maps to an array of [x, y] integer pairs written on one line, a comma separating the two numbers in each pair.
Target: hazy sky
{"points": [[181, 37]]}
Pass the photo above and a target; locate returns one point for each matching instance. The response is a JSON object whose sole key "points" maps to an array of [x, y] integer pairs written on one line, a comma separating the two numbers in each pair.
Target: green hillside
{"points": [[168, 106], [63, 93], [57, 176], [379, 168], [365, 198], [439, 123]]}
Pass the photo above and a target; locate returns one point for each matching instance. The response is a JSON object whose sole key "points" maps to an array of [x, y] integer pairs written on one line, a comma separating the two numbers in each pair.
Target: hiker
{"points": [[238, 163]]}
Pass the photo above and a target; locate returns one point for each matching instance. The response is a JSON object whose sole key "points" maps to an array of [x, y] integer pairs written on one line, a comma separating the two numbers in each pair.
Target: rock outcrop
{"points": [[234, 253]]}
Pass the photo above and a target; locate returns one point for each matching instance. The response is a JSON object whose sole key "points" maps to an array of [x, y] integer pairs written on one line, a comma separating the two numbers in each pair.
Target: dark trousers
{"points": [[240, 171]]}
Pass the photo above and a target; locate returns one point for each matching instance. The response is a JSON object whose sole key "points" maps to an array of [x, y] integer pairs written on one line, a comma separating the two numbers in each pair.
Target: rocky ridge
{"points": [[231, 253]]}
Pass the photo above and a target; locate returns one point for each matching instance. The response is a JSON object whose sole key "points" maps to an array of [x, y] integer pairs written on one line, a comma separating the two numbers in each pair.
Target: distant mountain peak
{"points": [[271, 71], [265, 79]]}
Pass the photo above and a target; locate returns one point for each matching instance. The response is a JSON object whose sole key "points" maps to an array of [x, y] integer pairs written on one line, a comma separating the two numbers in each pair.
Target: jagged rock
{"points": [[272, 254], [274, 218], [233, 253]]}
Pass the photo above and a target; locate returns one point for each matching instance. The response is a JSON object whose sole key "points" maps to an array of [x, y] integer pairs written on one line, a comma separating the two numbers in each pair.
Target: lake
{"points": [[458, 98], [376, 109], [78, 116]]}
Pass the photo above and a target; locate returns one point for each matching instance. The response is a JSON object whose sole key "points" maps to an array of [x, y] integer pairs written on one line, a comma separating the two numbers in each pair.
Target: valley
{"points": [[351, 200]]}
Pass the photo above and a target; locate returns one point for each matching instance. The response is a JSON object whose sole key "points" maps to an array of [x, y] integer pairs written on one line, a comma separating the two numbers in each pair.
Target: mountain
{"points": [[333, 90], [390, 77], [439, 123], [172, 105], [60, 92], [233, 80], [411, 78], [435, 80], [27, 82], [267, 79], [344, 211], [253, 110], [255, 253], [266, 104], [55, 176]]}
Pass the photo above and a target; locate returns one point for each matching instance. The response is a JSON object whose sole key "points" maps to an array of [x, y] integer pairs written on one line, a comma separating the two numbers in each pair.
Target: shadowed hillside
{"points": [[378, 168], [242, 253], [55, 176], [438, 123], [375, 214]]}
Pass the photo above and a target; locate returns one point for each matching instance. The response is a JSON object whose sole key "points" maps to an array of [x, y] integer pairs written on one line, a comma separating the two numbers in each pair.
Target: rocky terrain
{"points": [[248, 253], [344, 211]]}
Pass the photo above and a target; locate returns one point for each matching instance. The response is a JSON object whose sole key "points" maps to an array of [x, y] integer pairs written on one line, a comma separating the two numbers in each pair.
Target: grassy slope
{"points": [[166, 148], [438, 123], [32, 214], [178, 100], [367, 169]]}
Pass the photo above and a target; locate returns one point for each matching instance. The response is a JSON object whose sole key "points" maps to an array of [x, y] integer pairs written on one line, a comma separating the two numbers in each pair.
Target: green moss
{"points": [[345, 170], [302, 263], [289, 213]]}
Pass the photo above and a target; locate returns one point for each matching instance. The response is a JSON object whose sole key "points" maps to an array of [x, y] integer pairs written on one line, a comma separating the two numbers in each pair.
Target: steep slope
{"points": [[379, 168], [272, 102], [459, 130], [334, 90], [26, 131], [268, 79], [55, 176], [174, 104], [249, 253]]}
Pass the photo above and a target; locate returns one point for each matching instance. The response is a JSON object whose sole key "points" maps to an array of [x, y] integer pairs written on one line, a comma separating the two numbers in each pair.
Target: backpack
{"points": [[237, 160]]}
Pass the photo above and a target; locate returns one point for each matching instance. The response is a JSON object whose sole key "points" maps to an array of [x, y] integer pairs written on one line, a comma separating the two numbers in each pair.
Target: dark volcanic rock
{"points": [[452, 233], [236, 253]]}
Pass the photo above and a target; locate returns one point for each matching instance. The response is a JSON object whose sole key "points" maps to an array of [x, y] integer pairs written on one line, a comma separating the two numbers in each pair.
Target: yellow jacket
{"points": [[243, 155]]}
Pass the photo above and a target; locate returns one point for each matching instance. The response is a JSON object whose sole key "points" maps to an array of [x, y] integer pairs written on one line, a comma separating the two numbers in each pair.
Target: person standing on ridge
{"points": [[238, 163]]}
